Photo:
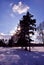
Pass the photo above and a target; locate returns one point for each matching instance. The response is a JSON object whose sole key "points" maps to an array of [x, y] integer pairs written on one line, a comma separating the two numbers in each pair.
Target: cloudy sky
{"points": [[11, 11]]}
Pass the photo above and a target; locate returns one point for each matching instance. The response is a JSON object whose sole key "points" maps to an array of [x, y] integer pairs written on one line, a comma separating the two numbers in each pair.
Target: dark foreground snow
{"points": [[12, 56]]}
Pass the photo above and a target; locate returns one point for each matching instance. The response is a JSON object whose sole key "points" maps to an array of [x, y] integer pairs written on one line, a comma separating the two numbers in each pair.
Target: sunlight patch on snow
{"points": [[43, 55], [35, 56], [8, 52], [39, 49]]}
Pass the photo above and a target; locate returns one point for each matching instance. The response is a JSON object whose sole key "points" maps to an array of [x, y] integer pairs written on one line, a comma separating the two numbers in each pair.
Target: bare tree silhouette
{"points": [[41, 31]]}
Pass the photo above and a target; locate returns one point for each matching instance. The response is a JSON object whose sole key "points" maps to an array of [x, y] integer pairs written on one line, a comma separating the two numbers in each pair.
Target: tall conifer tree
{"points": [[27, 27]]}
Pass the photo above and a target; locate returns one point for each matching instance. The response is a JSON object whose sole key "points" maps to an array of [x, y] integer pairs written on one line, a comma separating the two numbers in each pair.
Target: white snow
{"points": [[18, 56]]}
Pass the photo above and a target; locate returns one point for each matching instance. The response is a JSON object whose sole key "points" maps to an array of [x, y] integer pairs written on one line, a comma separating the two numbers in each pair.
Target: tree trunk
{"points": [[26, 48]]}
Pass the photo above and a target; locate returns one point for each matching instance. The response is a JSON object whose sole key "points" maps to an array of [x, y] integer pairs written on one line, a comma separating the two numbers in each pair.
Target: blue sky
{"points": [[11, 11]]}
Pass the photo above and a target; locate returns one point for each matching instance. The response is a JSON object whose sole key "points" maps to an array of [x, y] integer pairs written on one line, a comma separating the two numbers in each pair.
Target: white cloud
{"points": [[2, 34], [5, 36], [20, 8]]}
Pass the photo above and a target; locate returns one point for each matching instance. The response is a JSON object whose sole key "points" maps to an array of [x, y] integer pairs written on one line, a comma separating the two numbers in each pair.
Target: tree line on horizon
{"points": [[27, 26]]}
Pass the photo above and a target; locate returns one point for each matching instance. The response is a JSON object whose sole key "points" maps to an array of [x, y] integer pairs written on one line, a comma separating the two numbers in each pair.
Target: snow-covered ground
{"points": [[18, 56]]}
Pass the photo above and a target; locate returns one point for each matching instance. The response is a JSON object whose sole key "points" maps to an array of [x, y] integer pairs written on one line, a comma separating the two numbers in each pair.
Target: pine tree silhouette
{"points": [[27, 27]]}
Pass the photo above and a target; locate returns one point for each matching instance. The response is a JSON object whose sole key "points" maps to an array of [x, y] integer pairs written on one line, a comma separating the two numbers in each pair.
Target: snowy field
{"points": [[18, 56]]}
